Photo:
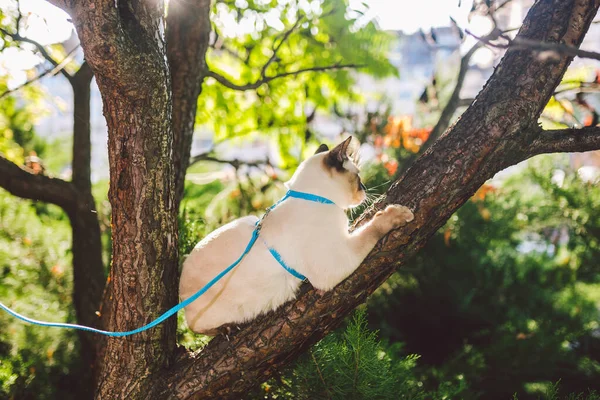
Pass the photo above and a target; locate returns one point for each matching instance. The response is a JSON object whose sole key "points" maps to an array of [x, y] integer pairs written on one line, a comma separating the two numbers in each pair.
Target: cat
{"points": [[312, 238]]}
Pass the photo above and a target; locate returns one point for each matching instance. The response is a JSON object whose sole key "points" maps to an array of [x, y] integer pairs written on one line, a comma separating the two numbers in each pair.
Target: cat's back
{"points": [[228, 235], [215, 252]]}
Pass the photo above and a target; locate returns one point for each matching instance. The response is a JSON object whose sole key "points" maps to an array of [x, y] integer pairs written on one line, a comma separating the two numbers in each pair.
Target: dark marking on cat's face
{"points": [[336, 157], [341, 166], [361, 186], [322, 148]]}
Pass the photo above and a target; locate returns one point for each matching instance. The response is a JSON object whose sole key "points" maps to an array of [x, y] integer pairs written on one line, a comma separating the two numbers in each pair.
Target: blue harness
{"points": [[189, 300]]}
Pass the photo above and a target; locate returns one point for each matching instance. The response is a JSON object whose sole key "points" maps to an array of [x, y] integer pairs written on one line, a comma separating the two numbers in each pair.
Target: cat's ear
{"points": [[338, 155], [322, 148]]}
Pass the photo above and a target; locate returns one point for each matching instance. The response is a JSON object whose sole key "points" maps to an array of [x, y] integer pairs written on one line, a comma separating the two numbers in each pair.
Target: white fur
{"points": [[351, 167], [312, 238]]}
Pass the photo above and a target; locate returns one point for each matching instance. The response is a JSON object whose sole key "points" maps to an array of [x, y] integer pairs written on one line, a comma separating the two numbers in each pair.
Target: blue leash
{"points": [[189, 300]]}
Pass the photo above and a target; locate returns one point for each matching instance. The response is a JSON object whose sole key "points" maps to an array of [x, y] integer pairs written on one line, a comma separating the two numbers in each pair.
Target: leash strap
{"points": [[191, 299], [281, 262]]}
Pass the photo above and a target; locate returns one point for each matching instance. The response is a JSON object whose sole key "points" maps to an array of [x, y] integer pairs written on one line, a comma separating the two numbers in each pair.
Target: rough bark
{"points": [[88, 268], [127, 54], [495, 132], [188, 31], [564, 140]]}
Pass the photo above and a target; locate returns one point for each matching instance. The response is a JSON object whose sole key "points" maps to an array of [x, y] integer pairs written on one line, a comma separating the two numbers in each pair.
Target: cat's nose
{"points": [[361, 186]]}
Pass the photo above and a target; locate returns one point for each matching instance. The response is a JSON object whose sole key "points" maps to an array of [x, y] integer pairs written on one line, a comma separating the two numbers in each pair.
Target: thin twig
{"points": [[312, 354], [50, 71], [563, 141], [527, 44], [251, 86], [286, 35], [40, 48], [234, 163]]}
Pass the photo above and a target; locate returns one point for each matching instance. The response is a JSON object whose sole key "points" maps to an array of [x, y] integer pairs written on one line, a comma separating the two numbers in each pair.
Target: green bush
{"points": [[352, 364], [507, 293], [36, 280]]}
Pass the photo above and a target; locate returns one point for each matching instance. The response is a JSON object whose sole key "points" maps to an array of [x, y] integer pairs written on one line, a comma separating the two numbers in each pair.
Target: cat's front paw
{"points": [[392, 217]]}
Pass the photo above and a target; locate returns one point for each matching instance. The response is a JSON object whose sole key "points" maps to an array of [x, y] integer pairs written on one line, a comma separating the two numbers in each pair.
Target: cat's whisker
{"points": [[372, 196], [380, 185]]}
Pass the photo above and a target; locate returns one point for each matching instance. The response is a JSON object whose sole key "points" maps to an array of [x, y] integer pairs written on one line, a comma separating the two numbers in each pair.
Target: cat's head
{"points": [[332, 174]]}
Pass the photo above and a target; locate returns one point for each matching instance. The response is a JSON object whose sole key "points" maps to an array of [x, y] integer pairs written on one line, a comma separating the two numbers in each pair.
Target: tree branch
{"points": [[234, 163], [42, 50], [20, 182], [527, 44], [449, 109], [251, 86], [579, 86], [563, 141], [51, 71], [114, 29], [286, 35]]}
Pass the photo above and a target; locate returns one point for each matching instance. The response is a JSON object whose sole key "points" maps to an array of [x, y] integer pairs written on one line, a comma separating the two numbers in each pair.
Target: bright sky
{"points": [[407, 15], [48, 24], [411, 15]]}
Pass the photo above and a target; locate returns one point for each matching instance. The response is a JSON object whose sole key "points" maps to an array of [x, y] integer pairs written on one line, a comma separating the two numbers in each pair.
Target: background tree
{"points": [[74, 197], [128, 60]]}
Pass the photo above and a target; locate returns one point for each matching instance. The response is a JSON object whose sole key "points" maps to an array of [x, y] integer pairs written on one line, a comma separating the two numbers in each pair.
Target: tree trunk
{"points": [[144, 266], [188, 31], [127, 55], [88, 268]]}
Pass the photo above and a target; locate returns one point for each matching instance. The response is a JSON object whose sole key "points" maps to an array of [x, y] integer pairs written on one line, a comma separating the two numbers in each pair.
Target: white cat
{"points": [[312, 239]]}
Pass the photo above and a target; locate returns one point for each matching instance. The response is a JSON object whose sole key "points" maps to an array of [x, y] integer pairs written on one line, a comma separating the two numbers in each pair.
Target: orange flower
{"points": [[485, 213], [421, 134], [447, 235], [57, 270], [482, 192], [395, 129], [256, 204], [411, 144], [391, 167]]}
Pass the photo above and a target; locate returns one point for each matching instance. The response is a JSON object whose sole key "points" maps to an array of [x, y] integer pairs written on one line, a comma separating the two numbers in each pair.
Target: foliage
{"points": [[552, 392], [36, 281], [260, 40], [507, 293], [574, 102], [17, 137], [353, 364]]}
